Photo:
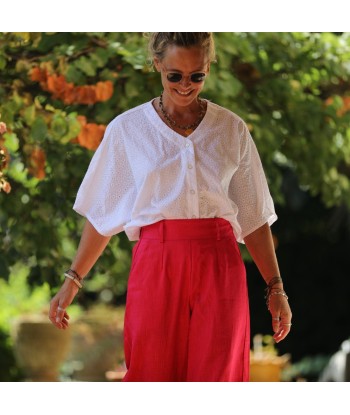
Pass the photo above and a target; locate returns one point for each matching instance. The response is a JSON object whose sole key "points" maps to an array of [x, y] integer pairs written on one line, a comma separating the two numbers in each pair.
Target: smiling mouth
{"points": [[183, 94]]}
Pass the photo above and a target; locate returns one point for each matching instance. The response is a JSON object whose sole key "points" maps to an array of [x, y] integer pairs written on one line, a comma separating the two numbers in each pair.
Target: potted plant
{"points": [[265, 365]]}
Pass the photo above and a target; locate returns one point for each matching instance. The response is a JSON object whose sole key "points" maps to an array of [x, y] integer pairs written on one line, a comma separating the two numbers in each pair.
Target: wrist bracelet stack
{"points": [[74, 276], [274, 291]]}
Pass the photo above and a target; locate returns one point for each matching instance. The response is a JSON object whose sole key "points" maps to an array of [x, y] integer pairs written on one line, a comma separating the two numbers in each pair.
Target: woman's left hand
{"points": [[281, 316]]}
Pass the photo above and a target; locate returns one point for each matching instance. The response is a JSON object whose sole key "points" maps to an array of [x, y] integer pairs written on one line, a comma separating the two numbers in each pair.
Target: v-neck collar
{"points": [[169, 132]]}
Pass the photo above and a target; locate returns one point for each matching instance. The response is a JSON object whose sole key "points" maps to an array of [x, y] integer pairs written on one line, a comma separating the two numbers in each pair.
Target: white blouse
{"points": [[144, 172]]}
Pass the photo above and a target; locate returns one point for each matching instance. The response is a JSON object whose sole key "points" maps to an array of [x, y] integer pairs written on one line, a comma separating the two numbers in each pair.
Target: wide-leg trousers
{"points": [[187, 311]]}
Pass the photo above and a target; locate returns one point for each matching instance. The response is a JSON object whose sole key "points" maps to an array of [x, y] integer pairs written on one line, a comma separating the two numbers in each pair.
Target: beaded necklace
{"points": [[187, 128]]}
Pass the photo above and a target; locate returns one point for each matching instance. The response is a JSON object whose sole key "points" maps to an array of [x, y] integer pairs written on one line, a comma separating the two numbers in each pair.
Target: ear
{"points": [[156, 63]]}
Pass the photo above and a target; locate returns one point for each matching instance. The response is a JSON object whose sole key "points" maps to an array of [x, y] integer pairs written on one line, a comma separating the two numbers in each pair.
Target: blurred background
{"points": [[58, 92]]}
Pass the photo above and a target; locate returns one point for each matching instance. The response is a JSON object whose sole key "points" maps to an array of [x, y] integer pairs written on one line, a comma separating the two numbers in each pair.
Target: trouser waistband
{"points": [[177, 229]]}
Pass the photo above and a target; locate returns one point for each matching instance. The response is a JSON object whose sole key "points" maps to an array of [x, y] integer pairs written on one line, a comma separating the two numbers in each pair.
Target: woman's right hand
{"points": [[59, 303]]}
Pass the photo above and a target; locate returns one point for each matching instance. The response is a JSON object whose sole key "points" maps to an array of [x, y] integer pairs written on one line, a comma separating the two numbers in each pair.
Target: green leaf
{"points": [[75, 75], [59, 126], [39, 129], [86, 66], [100, 57], [11, 142], [29, 114], [4, 268], [3, 62], [74, 128], [17, 171]]}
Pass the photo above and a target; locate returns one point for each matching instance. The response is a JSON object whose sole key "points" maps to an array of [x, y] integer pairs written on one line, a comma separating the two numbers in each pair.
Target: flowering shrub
{"points": [[58, 92], [4, 184]]}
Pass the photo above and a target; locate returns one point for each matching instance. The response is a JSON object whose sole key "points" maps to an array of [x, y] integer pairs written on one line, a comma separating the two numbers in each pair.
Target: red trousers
{"points": [[187, 312]]}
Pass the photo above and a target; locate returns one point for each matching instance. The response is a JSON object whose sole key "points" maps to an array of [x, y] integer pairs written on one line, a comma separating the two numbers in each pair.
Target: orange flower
{"points": [[86, 95], [90, 135], [37, 163], [70, 94], [3, 128], [38, 75], [58, 86], [346, 106], [104, 91], [344, 109], [5, 186], [4, 155], [82, 120]]}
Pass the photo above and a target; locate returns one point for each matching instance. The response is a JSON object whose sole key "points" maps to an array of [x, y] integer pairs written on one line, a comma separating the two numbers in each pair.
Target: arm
{"points": [[260, 246], [91, 246]]}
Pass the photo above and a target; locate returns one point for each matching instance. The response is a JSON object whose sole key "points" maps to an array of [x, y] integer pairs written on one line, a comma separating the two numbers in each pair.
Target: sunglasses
{"points": [[195, 77]]}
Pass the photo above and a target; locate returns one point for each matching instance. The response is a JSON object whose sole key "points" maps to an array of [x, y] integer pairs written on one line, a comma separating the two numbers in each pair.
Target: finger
{"points": [[283, 332], [65, 320], [65, 323], [60, 314], [280, 335], [53, 310], [276, 324]]}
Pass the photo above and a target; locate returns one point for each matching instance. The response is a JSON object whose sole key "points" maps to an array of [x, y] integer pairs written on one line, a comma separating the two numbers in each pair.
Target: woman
{"points": [[182, 176]]}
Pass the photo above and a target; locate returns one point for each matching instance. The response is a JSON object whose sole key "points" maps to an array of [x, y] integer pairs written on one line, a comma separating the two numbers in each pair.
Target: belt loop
{"points": [[217, 230], [161, 231]]}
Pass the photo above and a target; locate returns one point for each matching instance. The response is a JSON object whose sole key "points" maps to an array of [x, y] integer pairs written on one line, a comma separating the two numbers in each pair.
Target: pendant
{"points": [[188, 131]]}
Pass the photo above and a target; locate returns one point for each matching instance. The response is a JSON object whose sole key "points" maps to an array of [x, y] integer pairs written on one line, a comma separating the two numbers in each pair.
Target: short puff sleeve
{"points": [[248, 188], [107, 192]]}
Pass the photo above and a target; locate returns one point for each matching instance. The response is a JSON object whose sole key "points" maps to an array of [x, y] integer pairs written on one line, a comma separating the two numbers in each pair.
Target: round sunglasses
{"points": [[195, 77]]}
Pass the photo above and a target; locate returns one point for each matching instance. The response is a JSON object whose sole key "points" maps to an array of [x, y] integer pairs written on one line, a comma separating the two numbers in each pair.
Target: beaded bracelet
{"points": [[75, 277], [271, 283], [280, 292]]}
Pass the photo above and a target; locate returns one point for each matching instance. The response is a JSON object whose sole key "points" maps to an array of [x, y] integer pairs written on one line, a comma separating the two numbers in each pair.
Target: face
{"points": [[188, 66]]}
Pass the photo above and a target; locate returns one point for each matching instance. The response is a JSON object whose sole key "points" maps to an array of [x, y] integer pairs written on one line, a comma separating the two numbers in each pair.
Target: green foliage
{"points": [[9, 370], [292, 89], [16, 297], [307, 369], [289, 87]]}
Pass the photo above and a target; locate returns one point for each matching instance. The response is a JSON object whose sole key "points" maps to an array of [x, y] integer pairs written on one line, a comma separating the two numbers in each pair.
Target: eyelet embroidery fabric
{"points": [[144, 172]]}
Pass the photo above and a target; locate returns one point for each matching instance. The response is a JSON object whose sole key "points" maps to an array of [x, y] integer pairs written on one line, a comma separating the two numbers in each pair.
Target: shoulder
{"points": [[228, 117], [132, 115], [120, 127]]}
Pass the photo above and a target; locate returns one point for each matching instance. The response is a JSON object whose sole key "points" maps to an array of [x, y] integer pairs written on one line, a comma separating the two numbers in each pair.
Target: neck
{"points": [[187, 123], [179, 111]]}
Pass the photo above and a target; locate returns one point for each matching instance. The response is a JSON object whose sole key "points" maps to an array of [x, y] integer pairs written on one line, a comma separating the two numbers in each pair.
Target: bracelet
{"points": [[274, 281], [270, 284], [75, 278], [280, 292], [75, 274]]}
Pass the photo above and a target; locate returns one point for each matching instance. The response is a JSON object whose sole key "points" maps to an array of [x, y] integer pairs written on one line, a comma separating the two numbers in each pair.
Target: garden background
{"points": [[58, 91]]}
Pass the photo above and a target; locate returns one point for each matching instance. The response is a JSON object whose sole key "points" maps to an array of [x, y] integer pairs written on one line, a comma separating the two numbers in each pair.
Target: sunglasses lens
{"points": [[197, 77], [174, 77]]}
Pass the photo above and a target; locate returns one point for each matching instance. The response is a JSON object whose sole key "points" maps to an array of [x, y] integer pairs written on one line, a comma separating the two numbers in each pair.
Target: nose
{"points": [[185, 81]]}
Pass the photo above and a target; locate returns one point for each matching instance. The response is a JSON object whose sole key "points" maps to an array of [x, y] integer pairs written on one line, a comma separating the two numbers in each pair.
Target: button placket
{"points": [[191, 180]]}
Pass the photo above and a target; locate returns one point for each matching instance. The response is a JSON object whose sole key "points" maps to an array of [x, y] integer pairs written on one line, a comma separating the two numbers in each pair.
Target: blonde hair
{"points": [[159, 42]]}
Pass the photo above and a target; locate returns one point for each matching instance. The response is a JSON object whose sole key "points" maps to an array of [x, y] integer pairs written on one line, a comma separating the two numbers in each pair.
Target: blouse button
{"points": [[192, 192], [190, 166], [194, 216], [187, 144]]}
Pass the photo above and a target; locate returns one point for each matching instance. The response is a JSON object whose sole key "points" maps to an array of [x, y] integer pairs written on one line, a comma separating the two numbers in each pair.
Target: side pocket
{"points": [[134, 254]]}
